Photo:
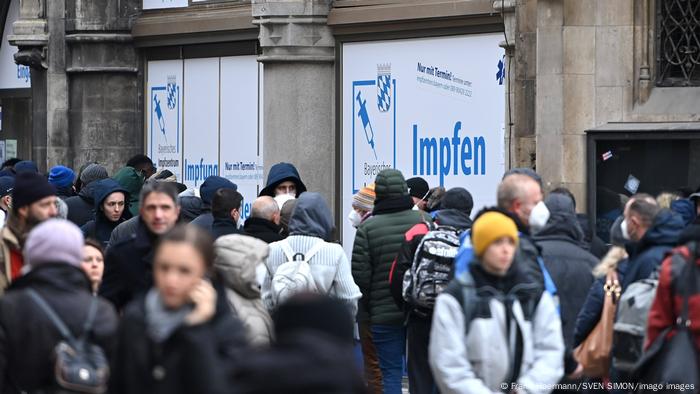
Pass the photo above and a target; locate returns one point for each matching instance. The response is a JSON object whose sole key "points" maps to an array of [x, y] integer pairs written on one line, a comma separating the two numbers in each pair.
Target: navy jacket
{"points": [[648, 254]]}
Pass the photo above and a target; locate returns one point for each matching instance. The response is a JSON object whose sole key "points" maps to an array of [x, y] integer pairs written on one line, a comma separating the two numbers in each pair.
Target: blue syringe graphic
{"points": [[159, 115], [364, 116]]}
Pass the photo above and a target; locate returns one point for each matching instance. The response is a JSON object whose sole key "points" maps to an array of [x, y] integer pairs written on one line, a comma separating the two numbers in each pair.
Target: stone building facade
{"points": [[578, 72]]}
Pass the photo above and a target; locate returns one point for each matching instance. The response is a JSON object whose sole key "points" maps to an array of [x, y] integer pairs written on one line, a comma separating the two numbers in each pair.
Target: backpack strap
{"points": [[462, 288], [287, 250], [90, 320], [314, 249], [55, 320]]}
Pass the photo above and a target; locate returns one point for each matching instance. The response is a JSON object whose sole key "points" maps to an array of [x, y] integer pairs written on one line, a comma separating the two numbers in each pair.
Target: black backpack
{"points": [[80, 366], [432, 268]]}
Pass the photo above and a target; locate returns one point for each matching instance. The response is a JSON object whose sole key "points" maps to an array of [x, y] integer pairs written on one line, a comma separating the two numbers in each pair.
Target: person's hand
{"points": [[204, 298], [577, 374]]}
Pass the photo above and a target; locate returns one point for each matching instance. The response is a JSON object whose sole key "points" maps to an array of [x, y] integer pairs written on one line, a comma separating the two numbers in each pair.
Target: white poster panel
{"points": [[241, 151], [12, 75], [164, 109], [201, 121], [430, 107], [158, 4]]}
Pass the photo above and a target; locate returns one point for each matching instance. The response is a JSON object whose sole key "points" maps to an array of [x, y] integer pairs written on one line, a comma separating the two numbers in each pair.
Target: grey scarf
{"points": [[161, 322]]}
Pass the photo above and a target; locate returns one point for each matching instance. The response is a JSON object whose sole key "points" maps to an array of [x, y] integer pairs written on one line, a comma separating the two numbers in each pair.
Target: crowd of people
{"points": [[137, 284]]}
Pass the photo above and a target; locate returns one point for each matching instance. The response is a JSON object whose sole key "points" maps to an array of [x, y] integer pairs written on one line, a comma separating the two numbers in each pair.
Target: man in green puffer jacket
{"points": [[377, 242]]}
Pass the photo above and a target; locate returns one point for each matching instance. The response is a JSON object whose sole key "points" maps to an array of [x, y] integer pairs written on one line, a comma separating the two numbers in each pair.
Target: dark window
{"points": [[678, 42]]}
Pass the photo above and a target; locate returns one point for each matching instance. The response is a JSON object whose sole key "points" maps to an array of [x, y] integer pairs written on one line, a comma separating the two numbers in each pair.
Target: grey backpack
{"points": [[630, 326]]}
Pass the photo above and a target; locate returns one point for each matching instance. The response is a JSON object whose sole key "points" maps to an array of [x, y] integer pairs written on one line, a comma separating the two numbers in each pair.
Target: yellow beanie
{"points": [[490, 227]]}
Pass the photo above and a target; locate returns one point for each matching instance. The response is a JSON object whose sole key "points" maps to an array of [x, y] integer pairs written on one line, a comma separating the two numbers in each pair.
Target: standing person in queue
{"points": [[179, 337], [283, 178], [110, 210], [377, 242], [494, 329], [128, 264], [93, 263]]}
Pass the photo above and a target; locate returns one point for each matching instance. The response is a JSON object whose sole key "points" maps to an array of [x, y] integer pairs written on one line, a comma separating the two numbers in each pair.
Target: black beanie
{"points": [[457, 198], [315, 313], [417, 187], [30, 187]]}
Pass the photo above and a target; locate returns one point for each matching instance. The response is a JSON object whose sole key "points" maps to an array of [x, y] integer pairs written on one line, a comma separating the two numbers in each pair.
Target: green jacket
{"points": [[377, 243], [131, 181]]}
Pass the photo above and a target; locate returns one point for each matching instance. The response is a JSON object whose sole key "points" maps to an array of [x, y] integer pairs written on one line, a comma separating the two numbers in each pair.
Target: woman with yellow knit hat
{"points": [[494, 330]]}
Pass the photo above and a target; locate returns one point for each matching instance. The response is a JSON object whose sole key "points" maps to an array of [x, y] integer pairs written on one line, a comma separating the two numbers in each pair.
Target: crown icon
{"points": [[384, 69]]}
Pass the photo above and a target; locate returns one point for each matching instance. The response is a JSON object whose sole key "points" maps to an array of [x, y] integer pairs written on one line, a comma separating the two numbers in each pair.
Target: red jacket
{"points": [[668, 302]]}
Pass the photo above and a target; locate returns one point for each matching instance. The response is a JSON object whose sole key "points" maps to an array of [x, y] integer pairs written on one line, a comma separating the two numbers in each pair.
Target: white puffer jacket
{"points": [[237, 257]]}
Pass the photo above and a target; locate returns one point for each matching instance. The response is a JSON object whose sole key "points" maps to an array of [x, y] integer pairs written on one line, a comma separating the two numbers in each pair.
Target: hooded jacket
{"points": [[279, 173], [310, 224], [101, 227], [377, 243], [477, 360], [646, 255], [237, 260], [28, 337], [81, 208], [569, 263], [132, 182]]}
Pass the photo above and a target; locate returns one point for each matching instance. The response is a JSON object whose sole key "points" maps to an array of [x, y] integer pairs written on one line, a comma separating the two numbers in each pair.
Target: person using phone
{"points": [[180, 336]]}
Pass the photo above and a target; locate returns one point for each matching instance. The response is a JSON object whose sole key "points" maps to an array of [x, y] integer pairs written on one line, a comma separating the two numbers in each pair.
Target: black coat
{"points": [[28, 337], [204, 220], [129, 267], [570, 265], [263, 230], [81, 208], [221, 227], [195, 359], [307, 362]]}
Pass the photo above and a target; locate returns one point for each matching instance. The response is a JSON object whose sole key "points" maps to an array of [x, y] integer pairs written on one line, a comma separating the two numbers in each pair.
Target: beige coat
{"points": [[8, 241], [237, 257]]}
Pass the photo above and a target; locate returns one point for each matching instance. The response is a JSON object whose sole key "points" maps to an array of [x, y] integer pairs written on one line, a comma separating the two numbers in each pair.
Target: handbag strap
{"points": [[55, 320], [59, 324]]}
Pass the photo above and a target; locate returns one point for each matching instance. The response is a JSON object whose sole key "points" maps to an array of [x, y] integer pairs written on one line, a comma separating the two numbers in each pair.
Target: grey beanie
{"points": [[54, 241], [93, 172]]}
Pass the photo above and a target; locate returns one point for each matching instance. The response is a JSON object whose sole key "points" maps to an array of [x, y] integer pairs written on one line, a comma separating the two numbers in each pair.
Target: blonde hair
{"points": [[665, 199], [610, 261]]}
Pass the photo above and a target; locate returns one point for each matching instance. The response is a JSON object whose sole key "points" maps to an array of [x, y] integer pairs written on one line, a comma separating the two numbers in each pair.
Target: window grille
{"points": [[678, 42]]}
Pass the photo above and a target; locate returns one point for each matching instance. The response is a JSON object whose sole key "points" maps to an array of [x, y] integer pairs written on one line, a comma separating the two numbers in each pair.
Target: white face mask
{"points": [[625, 232], [354, 218], [538, 217]]}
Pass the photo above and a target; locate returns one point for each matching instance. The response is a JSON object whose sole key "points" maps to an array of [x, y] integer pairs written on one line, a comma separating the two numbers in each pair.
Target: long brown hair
{"points": [[95, 244]]}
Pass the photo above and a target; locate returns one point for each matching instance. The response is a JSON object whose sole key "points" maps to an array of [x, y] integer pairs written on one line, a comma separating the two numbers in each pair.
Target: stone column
{"points": [[31, 36], [549, 109], [85, 80], [298, 89]]}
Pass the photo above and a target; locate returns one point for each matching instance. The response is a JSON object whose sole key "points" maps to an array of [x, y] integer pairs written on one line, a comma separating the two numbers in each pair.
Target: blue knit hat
{"points": [[61, 176], [26, 166], [211, 185]]}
